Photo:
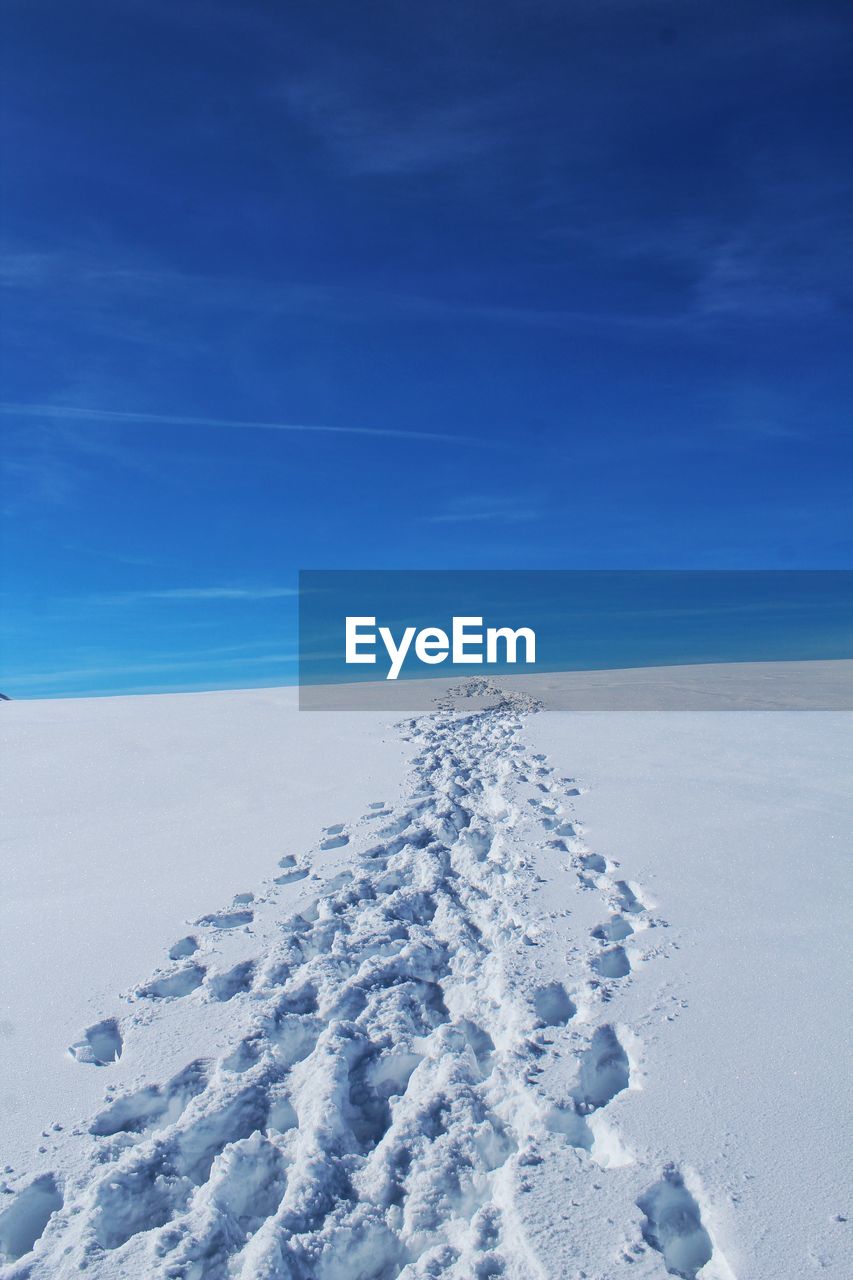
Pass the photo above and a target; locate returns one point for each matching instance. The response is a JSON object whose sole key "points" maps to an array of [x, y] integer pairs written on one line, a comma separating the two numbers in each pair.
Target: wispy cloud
{"points": [[117, 417], [200, 593], [375, 133], [775, 268], [46, 459], [97, 287], [485, 509], [102, 672]]}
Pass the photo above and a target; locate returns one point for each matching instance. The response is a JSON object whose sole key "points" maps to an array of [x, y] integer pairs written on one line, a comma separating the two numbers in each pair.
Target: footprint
{"points": [[244, 1055], [479, 843], [282, 1117], [616, 929], [99, 1045], [224, 986], [613, 963], [247, 1183], [627, 898], [336, 883], [479, 1041], [398, 825], [290, 877], [246, 1186], [335, 829], [593, 862], [368, 1112], [673, 1226], [152, 1107], [572, 1125], [287, 861], [23, 1223], [604, 1072], [243, 899], [183, 947], [377, 804], [334, 842], [227, 919], [174, 985], [301, 1001], [553, 1006], [155, 1183]]}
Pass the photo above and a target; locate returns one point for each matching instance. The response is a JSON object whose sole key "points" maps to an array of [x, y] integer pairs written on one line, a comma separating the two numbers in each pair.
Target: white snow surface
{"points": [[489, 992]]}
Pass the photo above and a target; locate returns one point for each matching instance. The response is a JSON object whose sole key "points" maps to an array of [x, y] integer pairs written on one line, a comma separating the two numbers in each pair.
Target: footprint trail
{"points": [[385, 1103]]}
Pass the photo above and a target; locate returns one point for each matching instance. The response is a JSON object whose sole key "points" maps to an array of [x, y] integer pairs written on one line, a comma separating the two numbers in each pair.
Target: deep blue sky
{"points": [[552, 285]]}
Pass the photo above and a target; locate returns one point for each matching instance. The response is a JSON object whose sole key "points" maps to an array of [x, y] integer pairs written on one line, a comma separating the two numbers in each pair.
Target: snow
{"points": [[488, 992], [739, 826], [124, 820]]}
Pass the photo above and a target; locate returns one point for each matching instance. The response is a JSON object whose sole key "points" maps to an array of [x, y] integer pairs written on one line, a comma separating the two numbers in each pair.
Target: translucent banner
{"points": [[587, 640]]}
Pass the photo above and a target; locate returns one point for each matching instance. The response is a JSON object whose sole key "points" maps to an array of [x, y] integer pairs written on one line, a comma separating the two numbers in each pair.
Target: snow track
{"points": [[384, 1107]]}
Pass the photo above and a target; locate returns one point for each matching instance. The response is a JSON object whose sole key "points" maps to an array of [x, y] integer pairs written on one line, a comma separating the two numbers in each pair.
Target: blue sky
{"points": [[508, 285]]}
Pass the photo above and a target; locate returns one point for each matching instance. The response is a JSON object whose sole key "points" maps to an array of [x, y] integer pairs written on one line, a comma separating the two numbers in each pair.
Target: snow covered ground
{"points": [[491, 992]]}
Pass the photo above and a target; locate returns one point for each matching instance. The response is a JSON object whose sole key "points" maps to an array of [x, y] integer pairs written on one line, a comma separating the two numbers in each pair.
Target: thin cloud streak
{"points": [[26, 678], [486, 508], [201, 593], [466, 517], [69, 413]]}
